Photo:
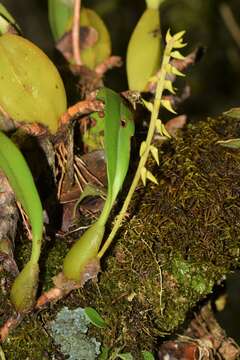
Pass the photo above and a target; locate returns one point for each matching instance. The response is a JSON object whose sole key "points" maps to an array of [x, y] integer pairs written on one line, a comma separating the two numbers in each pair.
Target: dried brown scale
{"points": [[88, 37], [108, 64], [204, 339]]}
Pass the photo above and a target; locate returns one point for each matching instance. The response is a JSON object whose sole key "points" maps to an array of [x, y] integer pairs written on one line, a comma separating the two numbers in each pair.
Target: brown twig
{"points": [[230, 22], [11, 323], [76, 33], [82, 166], [204, 339], [81, 108], [109, 63]]}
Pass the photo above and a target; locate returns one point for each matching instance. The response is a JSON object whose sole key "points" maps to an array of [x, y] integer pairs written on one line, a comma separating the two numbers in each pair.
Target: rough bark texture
{"points": [[8, 225]]}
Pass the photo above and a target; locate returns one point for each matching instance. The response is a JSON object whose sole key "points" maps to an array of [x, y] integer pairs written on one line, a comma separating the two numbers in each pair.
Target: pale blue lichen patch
{"points": [[69, 331]]}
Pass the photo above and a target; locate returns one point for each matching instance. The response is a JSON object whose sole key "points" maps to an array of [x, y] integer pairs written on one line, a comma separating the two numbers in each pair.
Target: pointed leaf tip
{"points": [[168, 106], [94, 317], [151, 177], [177, 55], [144, 175], [168, 36], [173, 70], [161, 129], [179, 45], [168, 86], [179, 35], [154, 152], [148, 105]]}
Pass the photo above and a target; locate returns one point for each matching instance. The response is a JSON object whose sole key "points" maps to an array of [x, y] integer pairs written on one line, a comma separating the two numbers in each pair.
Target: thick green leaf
{"points": [[147, 355], [60, 13], [118, 130], [144, 50], [94, 317], [20, 178]]}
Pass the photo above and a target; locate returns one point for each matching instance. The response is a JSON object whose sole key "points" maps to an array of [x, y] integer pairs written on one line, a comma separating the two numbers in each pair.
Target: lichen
{"points": [[69, 331]]}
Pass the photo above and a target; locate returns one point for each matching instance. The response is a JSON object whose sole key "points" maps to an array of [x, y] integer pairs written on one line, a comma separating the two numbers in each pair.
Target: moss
{"points": [[192, 276], [181, 238], [185, 234], [29, 341], [51, 261]]}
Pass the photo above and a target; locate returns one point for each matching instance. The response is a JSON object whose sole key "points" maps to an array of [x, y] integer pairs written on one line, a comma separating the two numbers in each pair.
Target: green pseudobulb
{"points": [[24, 288], [83, 252], [31, 89], [144, 50]]}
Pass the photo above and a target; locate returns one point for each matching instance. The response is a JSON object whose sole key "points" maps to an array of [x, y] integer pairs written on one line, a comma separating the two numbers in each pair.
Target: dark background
{"points": [[215, 81]]}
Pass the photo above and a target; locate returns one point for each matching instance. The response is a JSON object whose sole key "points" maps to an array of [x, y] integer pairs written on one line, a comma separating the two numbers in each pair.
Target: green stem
{"points": [[143, 159], [153, 4], [106, 210], [36, 250], [37, 232]]}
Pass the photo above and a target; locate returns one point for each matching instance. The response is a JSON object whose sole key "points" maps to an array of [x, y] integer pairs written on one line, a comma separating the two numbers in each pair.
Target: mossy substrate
{"points": [[181, 238]]}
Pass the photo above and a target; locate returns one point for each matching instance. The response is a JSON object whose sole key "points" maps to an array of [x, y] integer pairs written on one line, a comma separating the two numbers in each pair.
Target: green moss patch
{"points": [[180, 239]]}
